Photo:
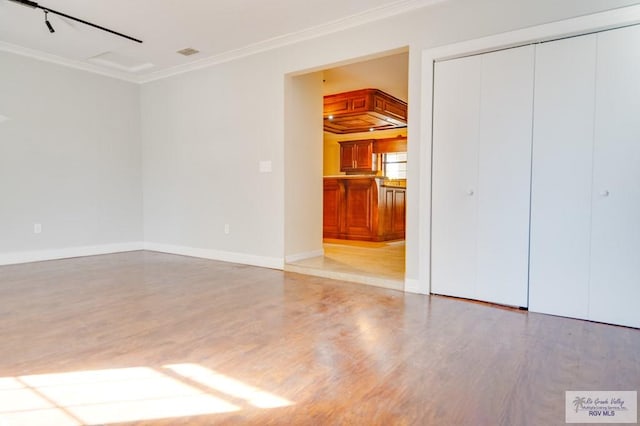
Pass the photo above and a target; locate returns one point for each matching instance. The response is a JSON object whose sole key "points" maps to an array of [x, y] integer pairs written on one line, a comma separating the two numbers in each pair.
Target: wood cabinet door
{"points": [[356, 156], [332, 208], [361, 197], [398, 212], [364, 155], [386, 215], [347, 156], [392, 219]]}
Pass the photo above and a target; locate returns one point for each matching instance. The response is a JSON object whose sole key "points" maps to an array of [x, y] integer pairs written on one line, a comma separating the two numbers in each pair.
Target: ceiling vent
{"points": [[188, 51]]}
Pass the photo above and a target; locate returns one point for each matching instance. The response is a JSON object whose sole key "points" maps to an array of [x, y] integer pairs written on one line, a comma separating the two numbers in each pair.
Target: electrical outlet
{"points": [[226, 228], [37, 228]]}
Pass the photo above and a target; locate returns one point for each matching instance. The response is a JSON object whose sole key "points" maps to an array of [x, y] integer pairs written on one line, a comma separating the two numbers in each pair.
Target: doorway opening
{"points": [[377, 260]]}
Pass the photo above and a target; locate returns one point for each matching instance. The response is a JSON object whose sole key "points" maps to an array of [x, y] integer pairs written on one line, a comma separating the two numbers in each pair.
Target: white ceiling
{"points": [[218, 29], [389, 74]]}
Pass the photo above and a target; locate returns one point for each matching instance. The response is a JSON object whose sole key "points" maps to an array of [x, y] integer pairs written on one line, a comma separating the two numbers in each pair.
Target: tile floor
{"points": [[379, 264]]}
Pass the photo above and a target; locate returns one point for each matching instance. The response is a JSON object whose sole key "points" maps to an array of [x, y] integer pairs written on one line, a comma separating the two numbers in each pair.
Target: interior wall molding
{"points": [[64, 253], [373, 15], [413, 286], [69, 63], [306, 255], [224, 256], [387, 11]]}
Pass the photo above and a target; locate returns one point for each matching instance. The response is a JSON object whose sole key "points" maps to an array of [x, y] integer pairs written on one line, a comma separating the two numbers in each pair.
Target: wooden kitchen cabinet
{"points": [[332, 207], [357, 156], [393, 212], [356, 101], [360, 202], [362, 110], [362, 208]]}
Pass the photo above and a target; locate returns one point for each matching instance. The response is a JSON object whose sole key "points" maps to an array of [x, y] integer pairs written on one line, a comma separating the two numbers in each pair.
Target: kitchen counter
{"points": [[391, 183], [363, 207], [382, 181], [354, 177]]}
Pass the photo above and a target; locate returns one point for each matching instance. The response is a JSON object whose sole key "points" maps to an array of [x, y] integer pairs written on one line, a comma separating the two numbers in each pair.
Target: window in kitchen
{"points": [[394, 165]]}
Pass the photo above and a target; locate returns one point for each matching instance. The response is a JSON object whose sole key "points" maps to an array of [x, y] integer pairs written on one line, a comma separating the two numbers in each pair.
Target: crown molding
{"points": [[396, 8], [69, 63], [372, 15]]}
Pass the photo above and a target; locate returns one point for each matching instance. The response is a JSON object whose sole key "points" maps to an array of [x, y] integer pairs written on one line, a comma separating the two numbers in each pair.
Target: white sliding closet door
{"points": [[481, 176], [561, 176], [615, 238], [504, 176], [455, 170]]}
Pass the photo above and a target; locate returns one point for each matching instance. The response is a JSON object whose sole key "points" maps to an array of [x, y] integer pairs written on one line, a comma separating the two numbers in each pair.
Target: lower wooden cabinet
{"points": [[363, 209], [332, 206], [393, 211]]}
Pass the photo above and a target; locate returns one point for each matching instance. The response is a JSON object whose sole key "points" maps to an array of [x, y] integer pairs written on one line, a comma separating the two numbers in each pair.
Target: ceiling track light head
{"points": [[46, 21], [34, 5]]}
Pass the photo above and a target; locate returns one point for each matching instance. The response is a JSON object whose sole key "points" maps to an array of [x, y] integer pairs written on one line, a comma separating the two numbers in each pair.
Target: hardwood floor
{"points": [[374, 263], [154, 339]]}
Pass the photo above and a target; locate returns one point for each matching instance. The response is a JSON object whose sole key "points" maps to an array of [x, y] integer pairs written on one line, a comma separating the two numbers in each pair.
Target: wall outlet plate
{"points": [[265, 166]]}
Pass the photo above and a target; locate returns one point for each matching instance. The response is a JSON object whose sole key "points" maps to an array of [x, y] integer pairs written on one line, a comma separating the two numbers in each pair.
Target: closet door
{"points": [[615, 238], [481, 176], [561, 176], [455, 169], [504, 176]]}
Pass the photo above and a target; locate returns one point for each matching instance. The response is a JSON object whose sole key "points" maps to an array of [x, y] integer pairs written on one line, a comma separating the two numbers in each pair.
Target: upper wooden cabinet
{"points": [[357, 156], [362, 111]]}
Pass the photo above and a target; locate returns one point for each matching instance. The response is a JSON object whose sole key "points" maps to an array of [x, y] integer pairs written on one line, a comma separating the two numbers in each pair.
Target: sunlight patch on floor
{"points": [[229, 386], [123, 395]]}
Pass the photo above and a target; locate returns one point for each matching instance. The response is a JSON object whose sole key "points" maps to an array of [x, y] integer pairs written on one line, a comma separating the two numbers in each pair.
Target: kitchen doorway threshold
{"points": [[379, 264]]}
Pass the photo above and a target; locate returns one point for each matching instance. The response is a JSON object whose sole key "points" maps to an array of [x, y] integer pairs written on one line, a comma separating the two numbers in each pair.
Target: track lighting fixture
{"points": [[46, 21], [46, 10]]}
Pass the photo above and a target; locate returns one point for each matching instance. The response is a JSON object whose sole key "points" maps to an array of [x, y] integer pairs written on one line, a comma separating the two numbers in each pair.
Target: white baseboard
{"points": [[415, 286], [225, 256], [306, 255], [40, 255]]}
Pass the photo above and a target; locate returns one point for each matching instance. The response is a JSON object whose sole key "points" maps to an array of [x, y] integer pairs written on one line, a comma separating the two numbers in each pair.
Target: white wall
{"points": [[204, 132], [303, 166], [70, 153], [70, 159]]}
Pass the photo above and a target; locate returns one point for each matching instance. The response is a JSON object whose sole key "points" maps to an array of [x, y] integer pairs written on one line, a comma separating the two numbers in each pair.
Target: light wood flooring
{"points": [[381, 264], [147, 338]]}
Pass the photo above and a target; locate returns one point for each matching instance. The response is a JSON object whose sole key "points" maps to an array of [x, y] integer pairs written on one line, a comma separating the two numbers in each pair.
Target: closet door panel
{"points": [[455, 169], [615, 244], [561, 176], [504, 175]]}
